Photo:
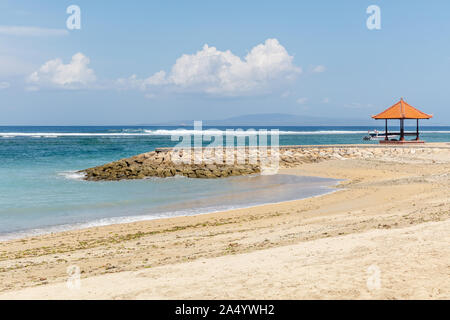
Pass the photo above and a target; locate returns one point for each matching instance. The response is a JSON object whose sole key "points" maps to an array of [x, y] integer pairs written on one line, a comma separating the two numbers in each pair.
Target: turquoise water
{"points": [[39, 191]]}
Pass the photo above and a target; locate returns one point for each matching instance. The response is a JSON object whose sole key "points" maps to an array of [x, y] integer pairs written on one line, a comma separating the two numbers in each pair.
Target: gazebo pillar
{"points": [[402, 130], [386, 130], [417, 132]]}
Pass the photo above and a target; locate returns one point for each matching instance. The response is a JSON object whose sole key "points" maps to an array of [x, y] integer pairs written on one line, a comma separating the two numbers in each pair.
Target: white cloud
{"points": [[31, 31], [73, 75], [325, 100], [4, 85], [133, 82], [158, 78], [319, 69], [302, 100], [212, 71]]}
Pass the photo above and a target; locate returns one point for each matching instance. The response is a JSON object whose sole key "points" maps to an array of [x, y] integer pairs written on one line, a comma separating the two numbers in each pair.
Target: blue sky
{"points": [[144, 62]]}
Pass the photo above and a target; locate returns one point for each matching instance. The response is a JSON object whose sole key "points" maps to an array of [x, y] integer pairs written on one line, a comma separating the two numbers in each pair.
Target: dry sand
{"points": [[387, 217]]}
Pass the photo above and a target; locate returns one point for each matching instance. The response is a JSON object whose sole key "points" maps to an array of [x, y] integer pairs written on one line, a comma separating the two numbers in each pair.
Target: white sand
{"points": [[413, 262]]}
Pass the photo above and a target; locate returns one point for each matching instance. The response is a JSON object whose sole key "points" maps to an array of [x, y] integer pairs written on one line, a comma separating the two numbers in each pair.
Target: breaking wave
{"points": [[180, 132]]}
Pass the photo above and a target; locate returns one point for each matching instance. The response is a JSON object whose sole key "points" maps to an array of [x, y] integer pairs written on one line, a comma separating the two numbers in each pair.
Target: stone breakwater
{"points": [[168, 163], [205, 164]]}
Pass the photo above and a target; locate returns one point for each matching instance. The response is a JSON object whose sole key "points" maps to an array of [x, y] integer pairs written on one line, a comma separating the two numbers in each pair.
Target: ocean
{"points": [[40, 191]]}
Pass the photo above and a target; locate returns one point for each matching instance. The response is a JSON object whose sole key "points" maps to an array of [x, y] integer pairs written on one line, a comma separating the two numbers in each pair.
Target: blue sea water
{"points": [[40, 192]]}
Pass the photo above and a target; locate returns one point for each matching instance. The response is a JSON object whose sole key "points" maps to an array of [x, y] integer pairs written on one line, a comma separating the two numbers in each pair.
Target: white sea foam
{"points": [[73, 175], [243, 132], [182, 132]]}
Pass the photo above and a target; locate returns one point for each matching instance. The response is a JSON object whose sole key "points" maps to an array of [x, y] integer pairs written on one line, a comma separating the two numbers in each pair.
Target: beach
{"points": [[388, 218], [224, 152]]}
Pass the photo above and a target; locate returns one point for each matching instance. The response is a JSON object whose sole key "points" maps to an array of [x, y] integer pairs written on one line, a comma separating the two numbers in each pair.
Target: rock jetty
{"points": [[166, 162]]}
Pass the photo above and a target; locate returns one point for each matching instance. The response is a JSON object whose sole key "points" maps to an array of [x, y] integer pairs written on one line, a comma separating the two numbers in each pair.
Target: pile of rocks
{"points": [[169, 163], [162, 164]]}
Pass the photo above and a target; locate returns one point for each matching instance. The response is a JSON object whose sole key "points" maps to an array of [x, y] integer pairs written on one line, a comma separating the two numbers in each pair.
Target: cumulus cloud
{"points": [[319, 69], [4, 85], [75, 74], [133, 82], [31, 31], [212, 71]]}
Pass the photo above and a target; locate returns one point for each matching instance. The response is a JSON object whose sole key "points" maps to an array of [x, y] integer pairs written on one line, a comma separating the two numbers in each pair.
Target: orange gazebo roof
{"points": [[402, 110]]}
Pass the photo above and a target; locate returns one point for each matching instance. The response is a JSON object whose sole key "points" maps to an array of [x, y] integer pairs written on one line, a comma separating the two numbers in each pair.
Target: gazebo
{"points": [[401, 111]]}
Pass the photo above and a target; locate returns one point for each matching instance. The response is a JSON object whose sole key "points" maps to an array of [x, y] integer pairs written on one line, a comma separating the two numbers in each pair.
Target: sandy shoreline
{"points": [[393, 215]]}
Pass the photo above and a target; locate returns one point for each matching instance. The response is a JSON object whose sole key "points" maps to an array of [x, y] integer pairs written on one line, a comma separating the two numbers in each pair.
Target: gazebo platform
{"points": [[402, 142]]}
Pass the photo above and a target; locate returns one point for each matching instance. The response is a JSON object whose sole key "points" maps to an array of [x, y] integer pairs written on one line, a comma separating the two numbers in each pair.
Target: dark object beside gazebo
{"points": [[401, 111]]}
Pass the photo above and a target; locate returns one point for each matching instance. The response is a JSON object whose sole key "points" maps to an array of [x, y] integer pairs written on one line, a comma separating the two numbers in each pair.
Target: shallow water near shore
{"points": [[84, 204]]}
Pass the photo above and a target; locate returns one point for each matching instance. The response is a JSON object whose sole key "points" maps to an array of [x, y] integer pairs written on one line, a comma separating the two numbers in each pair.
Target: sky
{"points": [[133, 62]]}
